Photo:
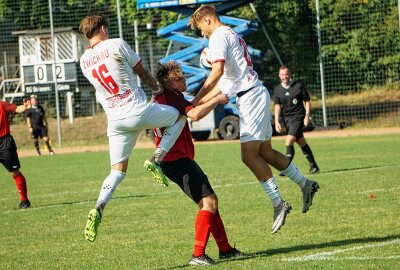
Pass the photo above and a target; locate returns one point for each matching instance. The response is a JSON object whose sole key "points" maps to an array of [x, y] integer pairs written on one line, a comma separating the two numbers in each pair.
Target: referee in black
{"points": [[292, 101], [37, 124]]}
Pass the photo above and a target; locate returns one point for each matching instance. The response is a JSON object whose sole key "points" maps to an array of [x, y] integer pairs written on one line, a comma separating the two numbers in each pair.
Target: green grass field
{"points": [[146, 226]]}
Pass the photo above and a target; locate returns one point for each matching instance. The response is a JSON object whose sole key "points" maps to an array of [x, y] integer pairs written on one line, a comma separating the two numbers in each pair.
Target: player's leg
{"points": [[305, 148], [280, 162], [160, 115], [157, 116], [189, 177], [255, 128], [35, 138], [290, 139], [121, 143], [9, 158], [46, 140]]}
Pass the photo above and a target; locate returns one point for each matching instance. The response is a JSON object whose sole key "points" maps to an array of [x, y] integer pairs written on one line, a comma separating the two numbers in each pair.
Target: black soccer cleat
{"points": [[24, 204], [232, 253], [314, 168], [309, 190]]}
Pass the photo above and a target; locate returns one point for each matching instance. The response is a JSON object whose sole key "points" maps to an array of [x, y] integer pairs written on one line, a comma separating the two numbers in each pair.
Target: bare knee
{"points": [[209, 203], [15, 173]]}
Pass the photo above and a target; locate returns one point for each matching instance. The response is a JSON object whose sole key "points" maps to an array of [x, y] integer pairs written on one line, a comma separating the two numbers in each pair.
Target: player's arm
{"points": [[277, 113], [29, 123], [202, 110], [307, 104], [216, 73], [21, 108], [148, 79]]}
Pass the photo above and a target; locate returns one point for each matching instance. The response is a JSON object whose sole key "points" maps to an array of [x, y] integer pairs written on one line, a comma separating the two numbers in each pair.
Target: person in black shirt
{"points": [[292, 101], [37, 125]]}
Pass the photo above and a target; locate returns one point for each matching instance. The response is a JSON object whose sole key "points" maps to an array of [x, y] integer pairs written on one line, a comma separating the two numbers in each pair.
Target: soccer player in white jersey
{"points": [[109, 65], [232, 74]]}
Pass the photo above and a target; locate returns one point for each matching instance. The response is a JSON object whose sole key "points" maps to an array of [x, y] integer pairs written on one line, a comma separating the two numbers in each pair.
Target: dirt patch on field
{"points": [[148, 144]]}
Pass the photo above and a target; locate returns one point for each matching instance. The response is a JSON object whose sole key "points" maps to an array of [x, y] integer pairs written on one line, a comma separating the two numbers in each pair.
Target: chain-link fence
{"points": [[360, 50]]}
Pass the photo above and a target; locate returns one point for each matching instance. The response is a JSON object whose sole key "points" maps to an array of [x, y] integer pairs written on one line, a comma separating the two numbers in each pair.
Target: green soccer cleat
{"points": [[92, 225], [157, 172]]}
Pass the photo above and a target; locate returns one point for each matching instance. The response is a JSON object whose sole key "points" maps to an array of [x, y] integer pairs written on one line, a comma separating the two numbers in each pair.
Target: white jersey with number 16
{"points": [[108, 66]]}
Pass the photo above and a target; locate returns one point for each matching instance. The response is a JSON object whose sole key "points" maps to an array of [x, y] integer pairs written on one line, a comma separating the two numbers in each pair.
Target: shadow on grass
{"points": [[358, 168], [288, 250], [86, 201]]}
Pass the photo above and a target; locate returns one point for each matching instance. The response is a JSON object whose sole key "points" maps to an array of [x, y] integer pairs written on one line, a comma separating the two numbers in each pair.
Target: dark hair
{"points": [[91, 24]]}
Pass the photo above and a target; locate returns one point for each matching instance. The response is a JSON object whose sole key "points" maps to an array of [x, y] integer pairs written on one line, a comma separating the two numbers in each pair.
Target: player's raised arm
{"points": [[216, 73]]}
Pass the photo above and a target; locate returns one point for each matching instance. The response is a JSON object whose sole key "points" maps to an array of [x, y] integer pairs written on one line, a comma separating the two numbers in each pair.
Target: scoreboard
{"points": [[38, 58]]}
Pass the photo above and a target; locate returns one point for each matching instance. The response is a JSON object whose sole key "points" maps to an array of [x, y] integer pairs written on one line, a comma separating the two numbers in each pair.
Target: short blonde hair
{"points": [[167, 71], [200, 13]]}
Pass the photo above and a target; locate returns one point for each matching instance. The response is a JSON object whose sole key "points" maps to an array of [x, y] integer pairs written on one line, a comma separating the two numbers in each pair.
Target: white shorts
{"points": [[254, 114], [123, 133]]}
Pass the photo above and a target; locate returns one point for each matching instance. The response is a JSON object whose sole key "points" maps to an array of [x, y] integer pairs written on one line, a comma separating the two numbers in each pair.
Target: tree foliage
{"points": [[360, 38]]}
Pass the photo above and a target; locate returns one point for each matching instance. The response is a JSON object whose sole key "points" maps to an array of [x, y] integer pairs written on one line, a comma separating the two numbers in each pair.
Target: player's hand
{"points": [[30, 130], [27, 104], [222, 99], [278, 127], [306, 121]]}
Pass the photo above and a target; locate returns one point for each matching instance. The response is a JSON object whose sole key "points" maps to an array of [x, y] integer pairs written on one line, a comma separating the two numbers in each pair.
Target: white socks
{"points": [[169, 138], [295, 175], [272, 191], [109, 185]]}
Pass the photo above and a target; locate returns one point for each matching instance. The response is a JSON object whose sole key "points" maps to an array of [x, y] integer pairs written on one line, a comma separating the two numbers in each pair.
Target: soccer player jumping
{"points": [[109, 65], [232, 73]]}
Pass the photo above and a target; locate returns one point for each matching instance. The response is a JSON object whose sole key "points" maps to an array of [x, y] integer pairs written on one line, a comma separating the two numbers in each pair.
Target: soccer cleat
{"points": [[232, 253], [92, 225], [280, 213], [157, 172], [24, 204], [51, 153], [309, 189], [201, 260], [314, 168]]}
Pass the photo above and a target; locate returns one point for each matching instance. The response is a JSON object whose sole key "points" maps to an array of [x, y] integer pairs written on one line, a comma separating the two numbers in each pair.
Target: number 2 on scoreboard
{"points": [[101, 75]]}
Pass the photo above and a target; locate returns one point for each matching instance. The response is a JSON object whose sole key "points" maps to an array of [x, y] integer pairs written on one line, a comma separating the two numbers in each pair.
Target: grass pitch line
{"points": [[321, 256]]}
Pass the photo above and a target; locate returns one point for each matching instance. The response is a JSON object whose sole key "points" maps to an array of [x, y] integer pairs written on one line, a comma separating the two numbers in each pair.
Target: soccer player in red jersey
{"points": [[179, 166], [8, 149]]}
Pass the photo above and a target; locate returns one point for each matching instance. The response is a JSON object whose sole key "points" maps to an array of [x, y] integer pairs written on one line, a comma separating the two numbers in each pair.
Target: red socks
{"points": [[21, 186], [219, 233], [206, 223], [202, 231]]}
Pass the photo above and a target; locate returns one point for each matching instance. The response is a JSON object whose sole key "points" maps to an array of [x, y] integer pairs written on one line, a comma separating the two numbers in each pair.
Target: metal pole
{"points": [[136, 30], [54, 73], [321, 66], [398, 11], [119, 20], [5, 66], [266, 34]]}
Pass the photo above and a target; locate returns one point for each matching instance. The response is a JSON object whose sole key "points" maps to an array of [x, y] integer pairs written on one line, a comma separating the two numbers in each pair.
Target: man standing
{"points": [[37, 124], [180, 167], [109, 65], [293, 102], [8, 149], [232, 73]]}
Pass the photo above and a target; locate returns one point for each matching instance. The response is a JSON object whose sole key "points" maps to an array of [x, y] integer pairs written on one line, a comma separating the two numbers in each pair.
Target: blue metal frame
{"points": [[175, 32]]}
